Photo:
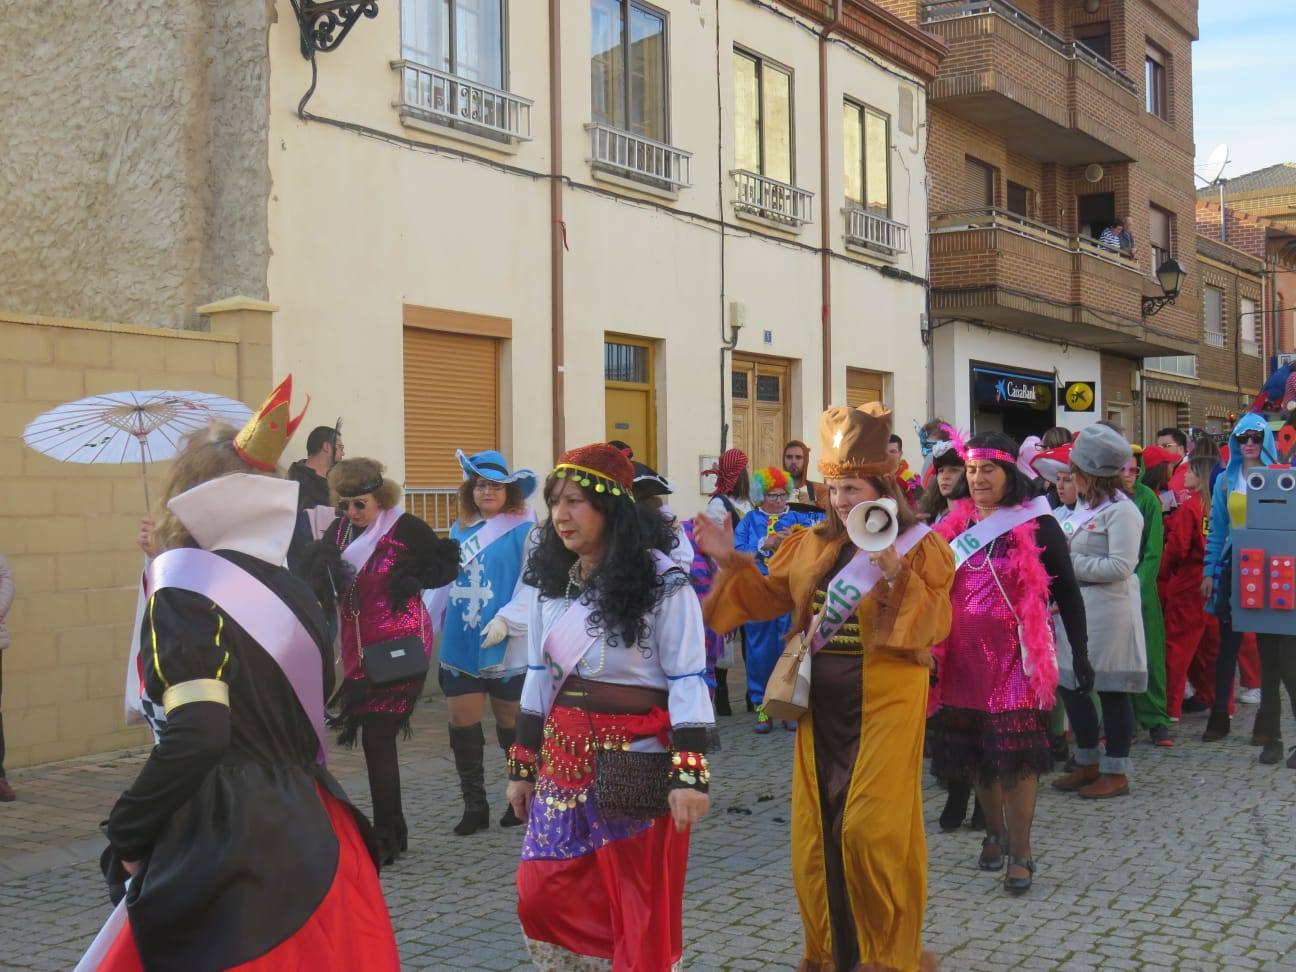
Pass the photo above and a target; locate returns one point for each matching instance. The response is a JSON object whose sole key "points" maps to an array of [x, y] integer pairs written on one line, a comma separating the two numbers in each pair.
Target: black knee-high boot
{"points": [[468, 743], [722, 692], [506, 739]]}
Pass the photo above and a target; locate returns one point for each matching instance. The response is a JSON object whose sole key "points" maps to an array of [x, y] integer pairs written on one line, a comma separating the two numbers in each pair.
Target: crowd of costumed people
{"points": [[1007, 609]]}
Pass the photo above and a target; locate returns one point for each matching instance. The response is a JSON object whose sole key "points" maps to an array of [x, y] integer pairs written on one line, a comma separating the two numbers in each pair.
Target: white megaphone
{"points": [[872, 525]]}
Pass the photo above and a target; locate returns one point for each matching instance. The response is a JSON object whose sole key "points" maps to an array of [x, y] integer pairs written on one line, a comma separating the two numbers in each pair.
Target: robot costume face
{"points": [[1264, 554]]}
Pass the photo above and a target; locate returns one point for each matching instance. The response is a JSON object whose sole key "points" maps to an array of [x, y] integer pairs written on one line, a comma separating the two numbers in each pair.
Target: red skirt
{"points": [[349, 930], [624, 903]]}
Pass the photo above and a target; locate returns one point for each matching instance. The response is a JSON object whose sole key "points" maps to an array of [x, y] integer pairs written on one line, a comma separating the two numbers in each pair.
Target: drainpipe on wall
{"points": [[825, 255], [557, 228]]}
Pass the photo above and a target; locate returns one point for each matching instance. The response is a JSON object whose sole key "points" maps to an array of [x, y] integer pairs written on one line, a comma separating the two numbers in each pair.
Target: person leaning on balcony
{"points": [[1126, 236], [6, 602], [1111, 236]]}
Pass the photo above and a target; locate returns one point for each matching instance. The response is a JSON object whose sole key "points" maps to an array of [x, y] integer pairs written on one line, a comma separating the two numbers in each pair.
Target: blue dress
{"points": [[488, 585], [764, 639]]}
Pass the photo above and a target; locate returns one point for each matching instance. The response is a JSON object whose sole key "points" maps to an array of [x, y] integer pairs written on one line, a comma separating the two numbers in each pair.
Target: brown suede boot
{"points": [[1107, 785], [1082, 776]]}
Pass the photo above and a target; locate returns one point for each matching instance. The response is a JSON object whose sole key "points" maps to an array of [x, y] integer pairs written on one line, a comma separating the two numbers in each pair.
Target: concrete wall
{"points": [[958, 343], [135, 179], [68, 531], [360, 225]]}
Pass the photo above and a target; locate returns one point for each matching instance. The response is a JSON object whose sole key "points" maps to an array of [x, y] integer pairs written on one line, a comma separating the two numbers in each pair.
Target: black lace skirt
{"points": [[970, 746]]}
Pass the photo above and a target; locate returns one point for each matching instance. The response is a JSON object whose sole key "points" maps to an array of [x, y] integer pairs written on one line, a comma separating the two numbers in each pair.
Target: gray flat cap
{"points": [[1100, 451]]}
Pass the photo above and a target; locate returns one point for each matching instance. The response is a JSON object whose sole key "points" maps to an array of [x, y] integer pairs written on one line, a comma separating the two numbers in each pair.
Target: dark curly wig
{"points": [[626, 587]]}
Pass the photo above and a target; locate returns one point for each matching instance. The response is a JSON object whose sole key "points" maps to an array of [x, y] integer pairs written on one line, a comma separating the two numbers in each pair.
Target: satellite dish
{"points": [[1093, 172], [1219, 158]]}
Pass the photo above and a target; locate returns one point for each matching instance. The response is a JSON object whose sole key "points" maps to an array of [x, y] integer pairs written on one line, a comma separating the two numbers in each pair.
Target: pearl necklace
{"points": [[574, 582]]}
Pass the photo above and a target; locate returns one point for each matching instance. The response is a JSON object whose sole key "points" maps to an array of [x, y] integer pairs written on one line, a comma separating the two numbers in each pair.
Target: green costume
{"points": [[1150, 706]]}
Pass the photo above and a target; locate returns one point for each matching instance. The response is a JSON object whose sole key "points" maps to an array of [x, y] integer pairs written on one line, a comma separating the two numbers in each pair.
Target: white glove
{"points": [[494, 632]]}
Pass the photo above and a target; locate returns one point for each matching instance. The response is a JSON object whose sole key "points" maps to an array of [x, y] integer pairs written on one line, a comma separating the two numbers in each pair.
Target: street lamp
{"points": [[1170, 275]]}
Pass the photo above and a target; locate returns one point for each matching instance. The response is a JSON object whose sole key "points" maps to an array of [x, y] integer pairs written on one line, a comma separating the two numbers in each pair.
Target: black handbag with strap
{"points": [[397, 660]]}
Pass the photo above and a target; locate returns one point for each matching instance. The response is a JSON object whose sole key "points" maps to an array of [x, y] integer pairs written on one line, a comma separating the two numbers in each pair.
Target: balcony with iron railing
{"points": [[447, 101], [875, 232], [1052, 99], [638, 158], [771, 200], [1021, 274]]}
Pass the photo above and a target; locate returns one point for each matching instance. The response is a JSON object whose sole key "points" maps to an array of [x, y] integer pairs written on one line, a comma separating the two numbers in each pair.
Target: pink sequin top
{"points": [[378, 622], [982, 658]]}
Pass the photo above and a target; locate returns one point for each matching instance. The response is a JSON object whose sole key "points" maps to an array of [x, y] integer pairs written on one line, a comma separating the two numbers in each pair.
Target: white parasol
{"points": [[122, 427]]}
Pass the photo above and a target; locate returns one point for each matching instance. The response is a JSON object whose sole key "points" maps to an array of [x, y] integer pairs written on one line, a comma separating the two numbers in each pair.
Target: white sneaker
{"points": [[1249, 696]]}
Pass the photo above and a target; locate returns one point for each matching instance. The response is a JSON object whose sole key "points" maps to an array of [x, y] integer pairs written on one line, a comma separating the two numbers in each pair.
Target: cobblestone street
{"points": [[1193, 871]]}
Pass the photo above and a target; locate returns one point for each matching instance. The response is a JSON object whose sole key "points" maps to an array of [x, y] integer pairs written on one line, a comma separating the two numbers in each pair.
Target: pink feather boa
{"points": [[1027, 583]]}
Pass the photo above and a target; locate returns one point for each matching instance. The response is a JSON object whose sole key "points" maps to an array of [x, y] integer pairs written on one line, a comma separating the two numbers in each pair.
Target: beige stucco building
{"points": [[519, 224], [549, 236]]}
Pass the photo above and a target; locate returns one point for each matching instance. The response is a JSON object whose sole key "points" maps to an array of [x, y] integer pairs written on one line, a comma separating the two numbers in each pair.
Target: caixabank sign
{"points": [[1004, 388]]}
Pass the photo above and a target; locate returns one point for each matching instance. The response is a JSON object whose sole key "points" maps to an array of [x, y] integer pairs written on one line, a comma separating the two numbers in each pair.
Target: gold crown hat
{"points": [[263, 440], [853, 442]]}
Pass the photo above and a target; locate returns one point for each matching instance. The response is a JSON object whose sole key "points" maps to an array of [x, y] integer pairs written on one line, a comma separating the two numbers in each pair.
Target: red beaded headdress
{"points": [[602, 467]]}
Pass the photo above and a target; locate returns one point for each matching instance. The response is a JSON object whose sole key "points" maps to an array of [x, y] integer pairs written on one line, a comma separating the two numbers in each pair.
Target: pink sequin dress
{"points": [[378, 622], [990, 729], [982, 663]]}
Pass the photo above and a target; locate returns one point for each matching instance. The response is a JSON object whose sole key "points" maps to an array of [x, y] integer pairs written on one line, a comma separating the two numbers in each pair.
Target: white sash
{"points": [[995, 525], [1082, 515], [359, 550], [852, 584], [569, 639], [319, 518], [437, 600]]}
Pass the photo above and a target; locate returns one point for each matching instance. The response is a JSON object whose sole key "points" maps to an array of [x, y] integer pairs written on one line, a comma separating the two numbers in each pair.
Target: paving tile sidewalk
{"points": [[1196, 870]]}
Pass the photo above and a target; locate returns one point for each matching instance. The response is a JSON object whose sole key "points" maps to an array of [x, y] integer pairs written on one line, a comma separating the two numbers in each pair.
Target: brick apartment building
{"points": [[1049, 120], [1261, 221], [1211, 388]]}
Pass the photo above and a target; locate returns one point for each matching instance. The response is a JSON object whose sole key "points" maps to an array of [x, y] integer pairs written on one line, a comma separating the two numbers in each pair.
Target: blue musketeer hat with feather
{"points": [[493, 466]]}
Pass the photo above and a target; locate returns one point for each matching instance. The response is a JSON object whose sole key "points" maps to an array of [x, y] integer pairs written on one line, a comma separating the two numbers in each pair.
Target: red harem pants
{"points": [[623, 902]]}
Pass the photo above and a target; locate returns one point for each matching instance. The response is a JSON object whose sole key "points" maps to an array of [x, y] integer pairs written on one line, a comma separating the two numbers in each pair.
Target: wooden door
{"points": [[760, 409]]}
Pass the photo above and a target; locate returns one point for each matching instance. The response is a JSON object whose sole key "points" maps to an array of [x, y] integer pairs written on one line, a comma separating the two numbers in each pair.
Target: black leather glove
{"points": [[1084, 672]]}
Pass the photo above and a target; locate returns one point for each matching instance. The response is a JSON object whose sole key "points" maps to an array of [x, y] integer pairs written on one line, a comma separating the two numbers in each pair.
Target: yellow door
{"points": [[760, 409], [629, 407]]}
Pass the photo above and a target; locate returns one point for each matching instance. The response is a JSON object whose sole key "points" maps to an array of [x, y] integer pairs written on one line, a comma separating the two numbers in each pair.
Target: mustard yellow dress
{"points": [[859, 850]]}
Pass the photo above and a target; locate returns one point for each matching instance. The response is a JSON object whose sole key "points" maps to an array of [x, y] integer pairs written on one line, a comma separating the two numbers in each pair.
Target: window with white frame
{"points": [[763, 117], [1184, 365], [628, 67], [460, 37], [1248, 325], [866, 141], [1161, 231], [1213, 316]]}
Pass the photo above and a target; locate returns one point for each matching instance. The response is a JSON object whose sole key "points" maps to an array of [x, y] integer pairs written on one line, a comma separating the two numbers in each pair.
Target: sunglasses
{"points": [[359, 505], [776, 496], [1255, 438]]}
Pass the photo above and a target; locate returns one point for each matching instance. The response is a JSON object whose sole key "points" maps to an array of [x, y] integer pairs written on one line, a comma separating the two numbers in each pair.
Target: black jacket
{"points": [[314, 490]]}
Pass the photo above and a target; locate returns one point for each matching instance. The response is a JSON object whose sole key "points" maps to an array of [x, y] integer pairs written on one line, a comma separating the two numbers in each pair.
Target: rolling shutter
{"points": [[864, 386], [451, 402]]}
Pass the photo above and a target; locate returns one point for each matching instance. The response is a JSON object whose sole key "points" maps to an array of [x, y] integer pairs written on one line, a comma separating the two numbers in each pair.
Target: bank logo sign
{"points": [[1009, 390]]}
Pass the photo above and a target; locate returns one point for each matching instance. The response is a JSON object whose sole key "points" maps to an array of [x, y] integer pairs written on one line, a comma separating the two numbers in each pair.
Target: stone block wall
{"points": [[68, 530], [136, 174]]}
